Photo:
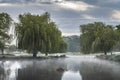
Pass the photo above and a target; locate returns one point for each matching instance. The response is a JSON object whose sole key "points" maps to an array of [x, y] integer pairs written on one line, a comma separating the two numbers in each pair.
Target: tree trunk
{"points": [[105, 52], [46, 54], [35, 53], [2, 50], [111, 52]]}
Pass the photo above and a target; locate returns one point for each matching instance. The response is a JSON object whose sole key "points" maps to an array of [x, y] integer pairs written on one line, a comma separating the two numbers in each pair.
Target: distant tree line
{"points": [[99, 37], [73, 43], [34, 33]]}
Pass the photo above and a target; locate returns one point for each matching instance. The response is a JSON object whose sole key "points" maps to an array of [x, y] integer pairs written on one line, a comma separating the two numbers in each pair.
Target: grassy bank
{"points": [[110, 57], [28, 57]]}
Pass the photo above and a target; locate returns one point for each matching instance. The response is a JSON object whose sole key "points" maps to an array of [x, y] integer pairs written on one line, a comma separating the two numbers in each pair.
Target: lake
{"points": [[70, 68]]}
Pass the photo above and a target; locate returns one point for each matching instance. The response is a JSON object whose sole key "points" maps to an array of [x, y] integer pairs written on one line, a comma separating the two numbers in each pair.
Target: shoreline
{"points": [[113, 57], [30, 57]]}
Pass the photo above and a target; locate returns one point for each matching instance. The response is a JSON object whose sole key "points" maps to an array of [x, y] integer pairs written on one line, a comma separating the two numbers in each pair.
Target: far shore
{"points": [[12, 57], [113, 57]]}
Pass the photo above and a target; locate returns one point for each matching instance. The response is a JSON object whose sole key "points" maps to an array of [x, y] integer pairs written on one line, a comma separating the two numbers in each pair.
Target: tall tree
{"points": [[98, 37], [38, 33], [105, 39], [87, 37], [5, 22]]}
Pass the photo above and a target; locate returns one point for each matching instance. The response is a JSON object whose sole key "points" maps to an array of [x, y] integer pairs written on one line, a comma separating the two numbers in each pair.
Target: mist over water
{"points": [[71, 68]]}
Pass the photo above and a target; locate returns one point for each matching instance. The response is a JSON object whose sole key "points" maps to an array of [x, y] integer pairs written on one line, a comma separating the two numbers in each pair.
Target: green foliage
{"points": [[12, 47], [117, 46], [5, 21], [97, 37], [38, 33]]}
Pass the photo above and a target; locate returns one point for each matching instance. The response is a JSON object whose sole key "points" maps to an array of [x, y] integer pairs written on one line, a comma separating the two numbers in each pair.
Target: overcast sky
{"points": [[67, 14]]}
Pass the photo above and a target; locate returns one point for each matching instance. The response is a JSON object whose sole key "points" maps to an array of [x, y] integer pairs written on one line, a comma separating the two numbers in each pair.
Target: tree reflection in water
{"points": [[100, 70], [8, 70], [42, 70], [31, 70], [1, 71], [60, 69]]}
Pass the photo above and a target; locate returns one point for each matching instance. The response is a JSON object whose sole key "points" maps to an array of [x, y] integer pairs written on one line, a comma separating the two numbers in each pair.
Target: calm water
{"points": [[72, 68]]}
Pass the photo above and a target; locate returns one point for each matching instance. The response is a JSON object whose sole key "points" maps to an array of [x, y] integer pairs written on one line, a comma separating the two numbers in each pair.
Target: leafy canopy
{"points": [[97, 37], [38, 33], [5, 22]]}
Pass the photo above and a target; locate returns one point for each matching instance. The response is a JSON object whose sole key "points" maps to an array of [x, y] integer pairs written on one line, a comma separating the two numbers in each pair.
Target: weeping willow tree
{"points": [[105, 40], [38, 33], [98, 37], [5, 21]]}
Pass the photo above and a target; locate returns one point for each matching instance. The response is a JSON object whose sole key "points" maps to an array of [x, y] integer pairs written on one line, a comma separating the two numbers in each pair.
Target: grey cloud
{"points": [[68, 20], [104, 3], [27, 1]]}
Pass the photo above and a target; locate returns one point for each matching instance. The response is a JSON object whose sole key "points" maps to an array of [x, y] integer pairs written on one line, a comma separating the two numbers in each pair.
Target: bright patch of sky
{"points": [[77, 6], [116, 15]]}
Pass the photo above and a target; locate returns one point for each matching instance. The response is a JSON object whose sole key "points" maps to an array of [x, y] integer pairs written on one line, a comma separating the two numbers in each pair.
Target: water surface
{"points": [[72, 68]]}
